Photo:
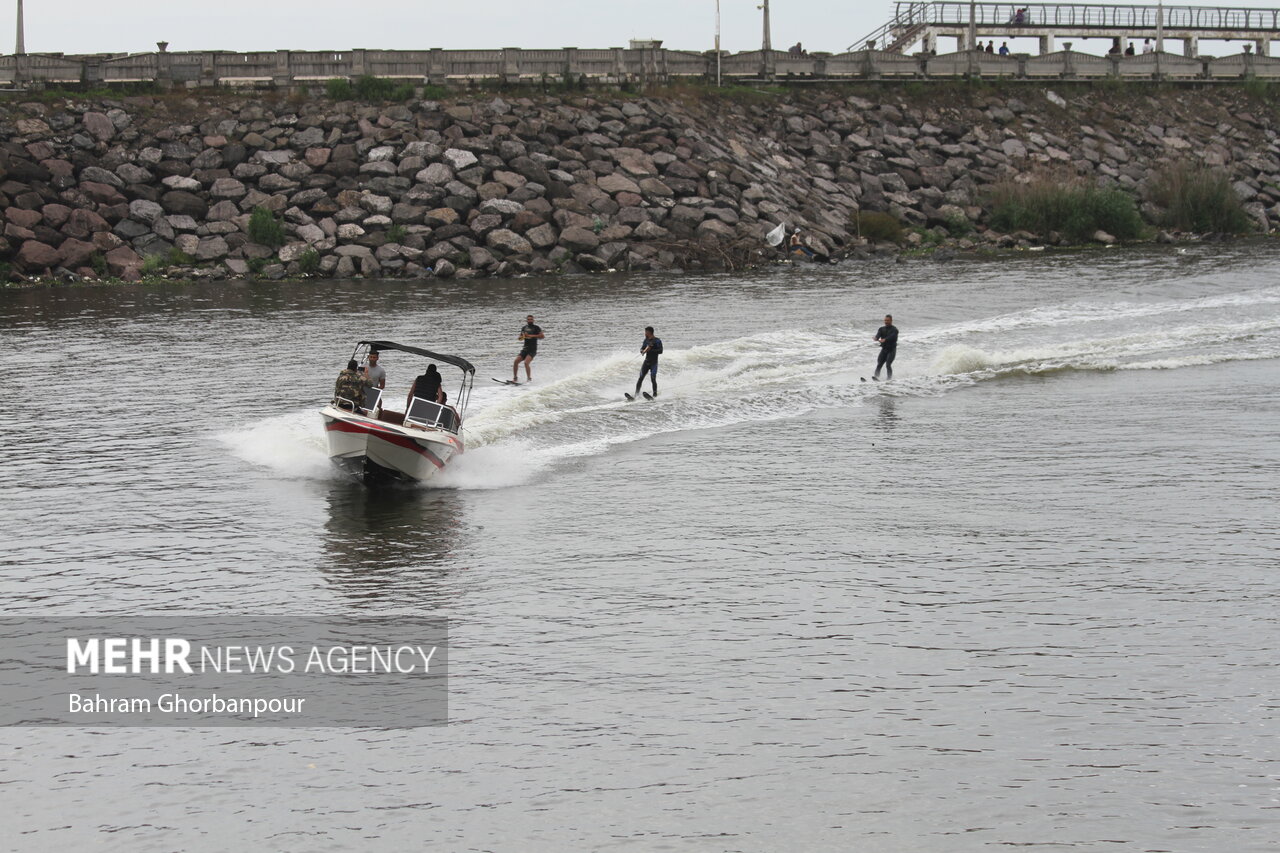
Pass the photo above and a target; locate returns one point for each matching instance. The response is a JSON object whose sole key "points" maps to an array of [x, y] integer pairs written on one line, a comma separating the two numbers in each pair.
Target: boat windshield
{"points": [[430, 414]]}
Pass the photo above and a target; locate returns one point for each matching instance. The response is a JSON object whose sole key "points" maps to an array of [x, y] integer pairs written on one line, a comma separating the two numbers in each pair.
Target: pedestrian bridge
{"points": [[916, 27]]}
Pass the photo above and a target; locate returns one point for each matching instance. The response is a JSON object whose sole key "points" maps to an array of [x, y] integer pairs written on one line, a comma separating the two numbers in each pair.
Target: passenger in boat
{"points": [[651, 347], [426, 387], [348, 391], [887, 337], [376, 373], [530, 334]]}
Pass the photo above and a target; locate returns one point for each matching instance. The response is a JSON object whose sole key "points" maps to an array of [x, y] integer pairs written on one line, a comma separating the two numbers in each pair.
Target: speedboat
{"points": [[378, 445]]}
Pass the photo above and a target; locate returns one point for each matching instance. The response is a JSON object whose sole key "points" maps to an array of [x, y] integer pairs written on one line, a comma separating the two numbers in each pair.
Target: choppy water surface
{"points": [[1023, 596]]}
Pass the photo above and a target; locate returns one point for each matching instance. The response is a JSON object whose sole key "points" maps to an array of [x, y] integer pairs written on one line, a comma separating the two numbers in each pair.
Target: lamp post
{"points": [[1160, 27], [973, 24], [717, 43], [767, 44], [21, 47]]}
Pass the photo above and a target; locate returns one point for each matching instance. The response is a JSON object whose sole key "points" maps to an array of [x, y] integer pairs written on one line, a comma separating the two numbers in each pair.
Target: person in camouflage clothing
{"points": [[350, 385]]}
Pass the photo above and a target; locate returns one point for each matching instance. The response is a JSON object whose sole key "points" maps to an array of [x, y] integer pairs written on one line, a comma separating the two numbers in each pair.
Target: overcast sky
{"points": [[108, 26]]}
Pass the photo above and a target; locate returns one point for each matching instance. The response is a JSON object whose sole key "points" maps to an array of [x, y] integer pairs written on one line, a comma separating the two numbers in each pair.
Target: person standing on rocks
{"points": [[887, 337], [530, 334]]}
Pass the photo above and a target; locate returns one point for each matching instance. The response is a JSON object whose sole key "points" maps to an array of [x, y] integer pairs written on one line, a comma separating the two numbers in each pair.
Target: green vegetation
{"points": [[369, 88], [154, 265], [396, 234], [959, 225], [99, 263], [309, 262], [339, 89], [878, 227], [265, 229], [257, 265], [1076, 210], [1199, 199]]}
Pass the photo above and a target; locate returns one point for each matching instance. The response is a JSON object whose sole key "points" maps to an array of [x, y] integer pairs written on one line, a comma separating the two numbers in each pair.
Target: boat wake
{"points": [[513, 434]]}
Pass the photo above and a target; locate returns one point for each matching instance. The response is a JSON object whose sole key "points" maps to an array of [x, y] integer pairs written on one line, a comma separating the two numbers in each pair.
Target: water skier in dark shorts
{"points": [[651, 347], [887, 337], [530, 334]]}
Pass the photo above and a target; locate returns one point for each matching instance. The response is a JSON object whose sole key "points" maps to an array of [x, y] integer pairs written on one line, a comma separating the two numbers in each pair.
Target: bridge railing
{"points": [[609, 66], [1091, 15]]}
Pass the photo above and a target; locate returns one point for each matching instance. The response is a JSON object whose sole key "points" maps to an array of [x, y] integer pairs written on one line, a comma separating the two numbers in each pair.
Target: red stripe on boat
{"points": [[389, 436]]}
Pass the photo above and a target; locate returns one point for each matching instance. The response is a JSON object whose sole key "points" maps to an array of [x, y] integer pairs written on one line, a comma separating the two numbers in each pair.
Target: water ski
{"points": [[505, 381], [630, 399], [647, 395]]}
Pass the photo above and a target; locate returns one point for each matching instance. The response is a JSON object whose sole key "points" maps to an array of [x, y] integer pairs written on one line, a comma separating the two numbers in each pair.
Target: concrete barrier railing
{"points": [[609, 65]]}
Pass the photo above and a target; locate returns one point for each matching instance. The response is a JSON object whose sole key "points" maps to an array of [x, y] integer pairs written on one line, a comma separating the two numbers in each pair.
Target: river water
{"points": [[1024, 595]]}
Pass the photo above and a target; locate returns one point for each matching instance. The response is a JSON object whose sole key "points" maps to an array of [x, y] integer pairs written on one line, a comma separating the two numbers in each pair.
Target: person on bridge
{"points": [[1004, 48], [1146, 47]]}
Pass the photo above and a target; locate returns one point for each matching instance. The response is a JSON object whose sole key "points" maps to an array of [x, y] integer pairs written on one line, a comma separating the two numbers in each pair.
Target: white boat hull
{"points": [[377, 451]]}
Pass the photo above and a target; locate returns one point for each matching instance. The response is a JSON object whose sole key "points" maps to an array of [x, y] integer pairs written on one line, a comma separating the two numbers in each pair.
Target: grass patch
{"points": [[265, 229], [877, 227], [396, 234], [309, 262], [958, 225], [1076, 210], [369, 88], [339, 89], [1198, 199]]}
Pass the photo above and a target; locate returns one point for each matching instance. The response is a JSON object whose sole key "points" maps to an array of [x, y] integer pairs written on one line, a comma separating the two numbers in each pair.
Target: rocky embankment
{"points": [[499, 186]]}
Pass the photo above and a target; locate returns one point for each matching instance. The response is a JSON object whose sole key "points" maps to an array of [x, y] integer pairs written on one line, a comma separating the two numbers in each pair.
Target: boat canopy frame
{"points": [[467, 368]]}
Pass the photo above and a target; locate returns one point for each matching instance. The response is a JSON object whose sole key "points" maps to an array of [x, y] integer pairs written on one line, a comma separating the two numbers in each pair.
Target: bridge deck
{"points": [[916, 22]]}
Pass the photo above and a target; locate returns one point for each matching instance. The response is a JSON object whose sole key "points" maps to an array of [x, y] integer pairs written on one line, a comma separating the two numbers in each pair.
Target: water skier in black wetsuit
{"points": [[529, 335], [887, 337], [651, 347]]}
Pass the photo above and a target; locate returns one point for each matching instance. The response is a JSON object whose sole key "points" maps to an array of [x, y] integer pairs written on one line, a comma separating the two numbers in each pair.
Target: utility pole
{"points": [[21, 48], [767, 44], [1160, 27], [973, 25]]}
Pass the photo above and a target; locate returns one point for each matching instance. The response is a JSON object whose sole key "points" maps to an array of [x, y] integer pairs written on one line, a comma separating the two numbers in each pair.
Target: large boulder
{"points": [[145, 211], [82, 223], [101, 193], [616, 183], [99, 175], [460, 159], [212, 248], [124, 263], [75, 253], [508, 242], [577, 239], [183, 203], [37, 257], [228, 188]]}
